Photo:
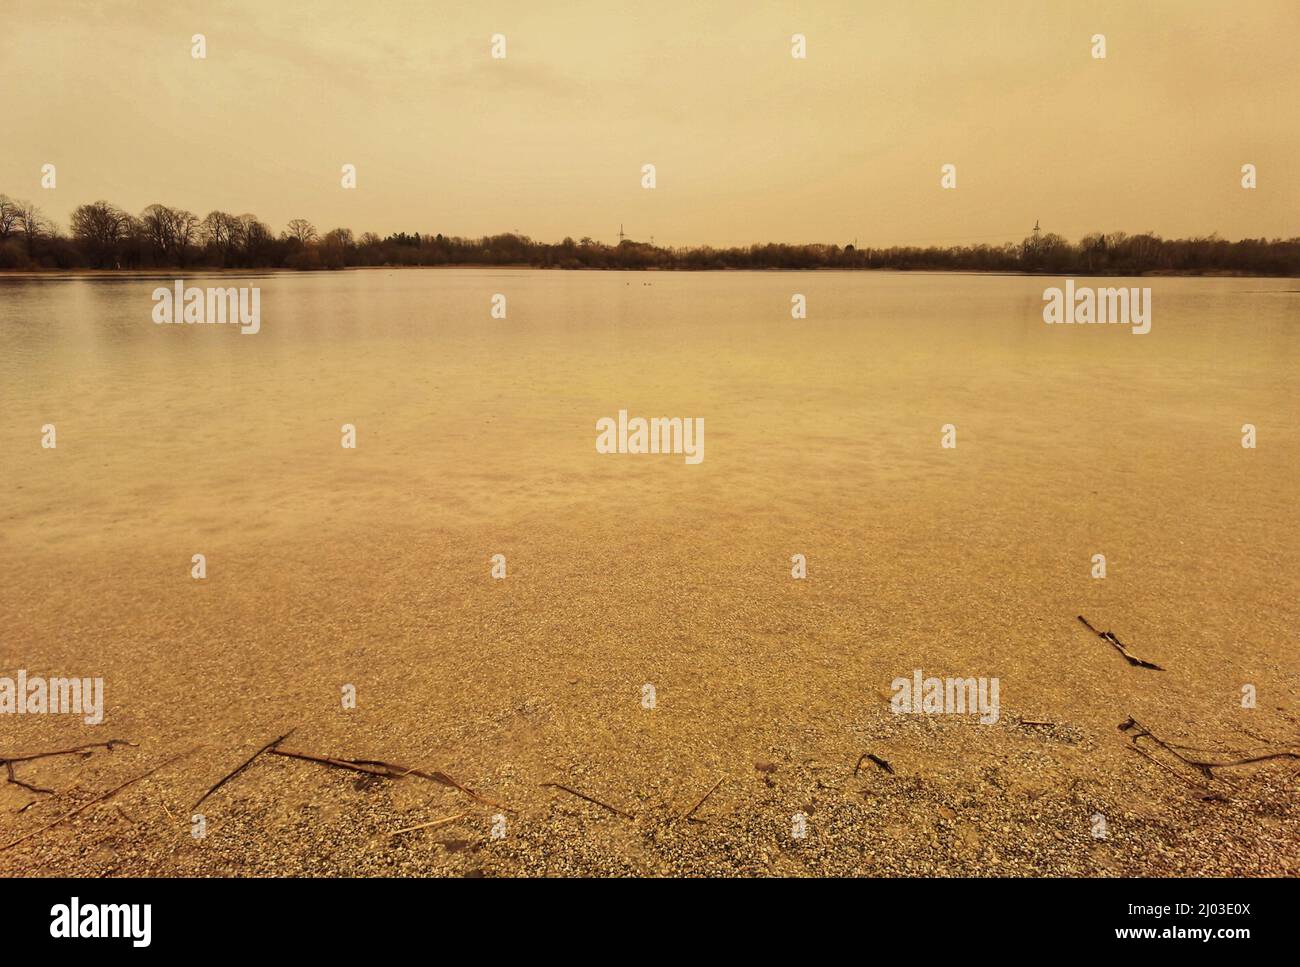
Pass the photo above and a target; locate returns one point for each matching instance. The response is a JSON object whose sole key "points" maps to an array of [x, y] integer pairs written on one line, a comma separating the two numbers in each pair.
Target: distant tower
{"points": [[1031, 246], [621, 236]]}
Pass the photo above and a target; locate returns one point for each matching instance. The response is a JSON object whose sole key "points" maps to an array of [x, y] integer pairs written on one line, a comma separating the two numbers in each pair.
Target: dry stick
{"points": [[1144, 733], [9, 768], [230, 775], [1247, 760], [388, 770], [700, 802], [9, 761], [1033, 722], [882, 763], [580, 795], [437, 775], [1109, 636], [98, 799], [1174, 772], [401, 772], [339, 763], [1252, 759], [437, 822], [1243, 731], [1204, 766], [80, 748]]}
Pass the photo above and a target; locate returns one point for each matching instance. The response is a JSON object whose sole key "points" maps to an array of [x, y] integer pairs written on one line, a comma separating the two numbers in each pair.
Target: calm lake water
{"points": [[163, 430], [476, 436]]}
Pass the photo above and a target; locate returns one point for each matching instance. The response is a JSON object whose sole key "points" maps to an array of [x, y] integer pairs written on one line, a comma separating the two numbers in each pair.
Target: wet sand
{"points": [[371, 567]]}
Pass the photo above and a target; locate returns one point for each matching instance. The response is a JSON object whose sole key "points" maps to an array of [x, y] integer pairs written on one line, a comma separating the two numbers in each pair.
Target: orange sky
{"points": [[749, 144]]}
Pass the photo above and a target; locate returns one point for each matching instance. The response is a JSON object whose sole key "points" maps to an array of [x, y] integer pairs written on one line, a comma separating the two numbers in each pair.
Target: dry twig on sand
{"points": [[247, 762], [582, 795], [1135, 730], [387, 770], [700, 802], [82, 750], [98, 799], [882, 763], [1109, 636], [445, 821], [1169, 769]]}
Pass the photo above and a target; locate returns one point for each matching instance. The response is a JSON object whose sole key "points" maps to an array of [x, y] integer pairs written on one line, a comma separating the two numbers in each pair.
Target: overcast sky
{"points": [[749, 143]]}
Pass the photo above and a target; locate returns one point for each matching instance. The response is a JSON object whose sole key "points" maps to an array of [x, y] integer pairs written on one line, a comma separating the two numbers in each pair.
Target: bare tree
{"points": [[301, 230], [186, 227], [335, 247], [100, 226], [185, 231], [221, 231], [30, 221], [341, 237], [253, 236], [157, 223], [8, 216], [170, 231]]}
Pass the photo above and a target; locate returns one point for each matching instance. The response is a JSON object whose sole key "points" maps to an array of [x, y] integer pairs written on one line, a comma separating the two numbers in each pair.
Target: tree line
{"points": [[103, 236]]}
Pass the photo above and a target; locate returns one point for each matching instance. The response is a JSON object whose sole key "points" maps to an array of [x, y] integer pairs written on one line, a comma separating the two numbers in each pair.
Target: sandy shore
{"points": [[777, 688]]}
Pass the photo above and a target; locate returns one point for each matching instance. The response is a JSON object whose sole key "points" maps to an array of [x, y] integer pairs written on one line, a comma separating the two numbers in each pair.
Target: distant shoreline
{"points": [[106, 238], [172, 272]]}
